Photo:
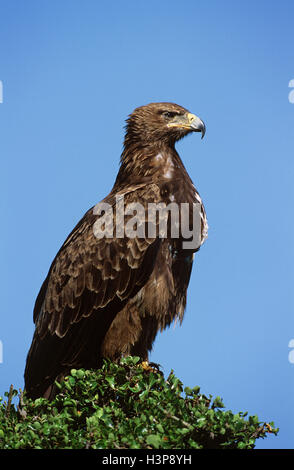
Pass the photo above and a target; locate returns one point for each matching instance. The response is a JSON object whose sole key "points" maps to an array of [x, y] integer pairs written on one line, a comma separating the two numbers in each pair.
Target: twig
{"points": [[10, 395], [20, 407], [184, 423]]}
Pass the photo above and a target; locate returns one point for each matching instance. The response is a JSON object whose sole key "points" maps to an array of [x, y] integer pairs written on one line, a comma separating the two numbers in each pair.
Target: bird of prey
{"points": [[108, 296]]}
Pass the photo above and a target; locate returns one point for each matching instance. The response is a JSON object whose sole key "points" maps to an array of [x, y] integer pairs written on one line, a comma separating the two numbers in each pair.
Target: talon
{"points": [[145, 365], [151, 367]]}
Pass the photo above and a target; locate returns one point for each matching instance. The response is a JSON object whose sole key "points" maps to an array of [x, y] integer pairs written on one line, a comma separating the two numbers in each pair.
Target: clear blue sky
{"points": [[71, 72]]}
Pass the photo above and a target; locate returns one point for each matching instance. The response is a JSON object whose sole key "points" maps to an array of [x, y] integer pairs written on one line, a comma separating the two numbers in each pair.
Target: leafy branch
{"points": [[123, 406]]}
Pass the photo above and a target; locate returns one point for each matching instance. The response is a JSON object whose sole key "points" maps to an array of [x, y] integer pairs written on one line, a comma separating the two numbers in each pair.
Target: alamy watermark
{"points": [[291, 353], [1, 91], [291, 94], [177, 221]]}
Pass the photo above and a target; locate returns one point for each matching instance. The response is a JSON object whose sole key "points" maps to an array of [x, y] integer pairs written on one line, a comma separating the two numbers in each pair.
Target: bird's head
{"points": [[162, 122]]}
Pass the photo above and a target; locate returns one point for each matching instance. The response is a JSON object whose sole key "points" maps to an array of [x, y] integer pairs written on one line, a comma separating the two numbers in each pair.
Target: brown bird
{"points": [[108, 296]]}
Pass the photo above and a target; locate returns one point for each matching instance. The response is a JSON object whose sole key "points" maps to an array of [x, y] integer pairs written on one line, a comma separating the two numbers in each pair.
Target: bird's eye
{"points": [[169, 114]]}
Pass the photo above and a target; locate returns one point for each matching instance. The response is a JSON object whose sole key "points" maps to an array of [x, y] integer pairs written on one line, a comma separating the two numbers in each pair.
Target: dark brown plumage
{"points": [[108, 297]]}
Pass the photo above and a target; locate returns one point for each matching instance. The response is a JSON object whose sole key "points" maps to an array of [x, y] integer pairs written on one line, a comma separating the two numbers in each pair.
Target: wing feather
{"points": [[89, 282]]}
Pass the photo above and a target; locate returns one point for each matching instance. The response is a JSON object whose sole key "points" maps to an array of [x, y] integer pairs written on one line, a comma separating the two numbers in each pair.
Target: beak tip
{"points": [[203, 132]]}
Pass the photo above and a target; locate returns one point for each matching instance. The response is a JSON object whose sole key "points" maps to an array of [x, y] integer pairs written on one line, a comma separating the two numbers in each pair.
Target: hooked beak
{"points": [[196, 124], [190, 122]]}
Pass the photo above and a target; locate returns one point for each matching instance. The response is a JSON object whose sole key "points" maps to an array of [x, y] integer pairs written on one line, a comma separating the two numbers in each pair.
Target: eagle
{"points": [[108, 292]]}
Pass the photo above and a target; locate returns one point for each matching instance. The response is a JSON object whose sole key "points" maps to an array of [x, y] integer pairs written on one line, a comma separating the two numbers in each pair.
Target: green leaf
{"points": [[188, 391], [160, 428], [196, 390], [110, 380], [217, 403], [253, 420], [80, 374], [154, 440]]}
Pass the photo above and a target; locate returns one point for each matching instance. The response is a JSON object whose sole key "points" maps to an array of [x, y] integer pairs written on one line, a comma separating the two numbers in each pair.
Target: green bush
{"points": [[123, 406]]}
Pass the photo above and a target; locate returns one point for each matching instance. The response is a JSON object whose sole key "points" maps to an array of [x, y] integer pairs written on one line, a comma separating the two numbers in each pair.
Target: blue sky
{"points": [[71, 72]]}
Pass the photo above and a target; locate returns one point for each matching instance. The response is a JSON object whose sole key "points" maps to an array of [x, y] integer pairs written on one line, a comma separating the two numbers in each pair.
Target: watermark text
{"points": [[176, 221], [291, 353], [291, 94]]}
